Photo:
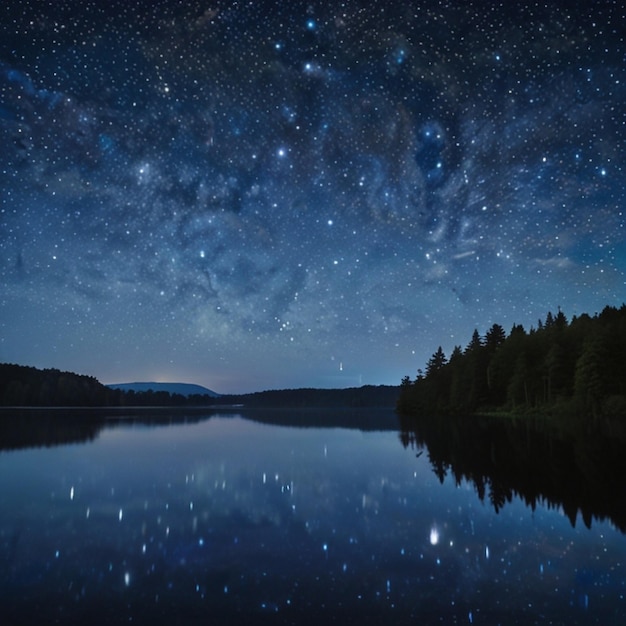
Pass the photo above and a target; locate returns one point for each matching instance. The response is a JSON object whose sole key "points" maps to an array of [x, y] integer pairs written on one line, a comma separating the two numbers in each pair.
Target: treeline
{"points": [[28, 386], [560, 367], [367, 396]]}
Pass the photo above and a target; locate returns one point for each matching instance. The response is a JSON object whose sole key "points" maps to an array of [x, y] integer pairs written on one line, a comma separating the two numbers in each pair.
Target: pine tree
{"points": [[436, 362], [589, 387]]}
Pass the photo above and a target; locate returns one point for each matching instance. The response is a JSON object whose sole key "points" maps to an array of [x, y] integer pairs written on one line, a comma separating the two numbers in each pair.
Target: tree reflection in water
{"points": [[506, 458]]}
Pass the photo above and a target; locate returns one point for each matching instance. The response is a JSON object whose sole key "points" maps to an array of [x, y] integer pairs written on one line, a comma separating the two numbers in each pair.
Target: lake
{"points": [[265, 518]]}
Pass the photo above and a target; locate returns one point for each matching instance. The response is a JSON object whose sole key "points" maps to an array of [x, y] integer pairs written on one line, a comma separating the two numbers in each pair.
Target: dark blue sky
{"points": [[253, 195]]}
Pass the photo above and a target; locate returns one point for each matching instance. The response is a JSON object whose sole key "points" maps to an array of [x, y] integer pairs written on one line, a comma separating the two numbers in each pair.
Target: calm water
{"points": [[229, 520]]}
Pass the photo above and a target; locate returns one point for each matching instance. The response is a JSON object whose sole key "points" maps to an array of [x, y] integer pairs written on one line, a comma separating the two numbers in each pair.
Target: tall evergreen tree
{"points": [[436, 362], [494, 338], [589, 384], [475, 344]]}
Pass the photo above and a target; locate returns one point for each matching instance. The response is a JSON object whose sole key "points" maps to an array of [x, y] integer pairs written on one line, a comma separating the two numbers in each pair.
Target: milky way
{"points": [[254, 195]]}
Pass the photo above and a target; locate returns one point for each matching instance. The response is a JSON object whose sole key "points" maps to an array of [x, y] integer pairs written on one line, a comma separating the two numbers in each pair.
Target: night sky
{"points": [[252, 195]]}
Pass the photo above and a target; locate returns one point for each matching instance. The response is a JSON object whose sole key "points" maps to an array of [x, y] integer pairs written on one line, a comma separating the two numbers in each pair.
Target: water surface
{"points": [[224, 519]]}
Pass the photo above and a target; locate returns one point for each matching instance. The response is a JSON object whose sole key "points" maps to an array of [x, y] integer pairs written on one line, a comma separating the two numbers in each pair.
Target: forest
{"points": [[570, 369]]}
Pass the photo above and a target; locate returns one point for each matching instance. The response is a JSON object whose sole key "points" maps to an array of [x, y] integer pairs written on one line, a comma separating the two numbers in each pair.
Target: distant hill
{"points": [[183, 389]]}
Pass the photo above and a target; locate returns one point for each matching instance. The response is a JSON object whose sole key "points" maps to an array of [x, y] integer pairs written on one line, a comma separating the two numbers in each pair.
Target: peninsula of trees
{"points": [[575, 368]]}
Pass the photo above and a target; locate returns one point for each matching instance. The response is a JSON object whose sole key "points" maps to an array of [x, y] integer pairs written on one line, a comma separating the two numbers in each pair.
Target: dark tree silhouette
{"points": [[560, 368]]}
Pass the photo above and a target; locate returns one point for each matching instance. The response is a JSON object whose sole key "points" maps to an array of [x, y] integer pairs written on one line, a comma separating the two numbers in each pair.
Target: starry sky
{"points": [[252, 194]]}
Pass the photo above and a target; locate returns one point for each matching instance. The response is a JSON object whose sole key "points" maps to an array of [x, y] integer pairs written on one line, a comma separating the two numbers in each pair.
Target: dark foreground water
{"points": [[225, 520]]}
